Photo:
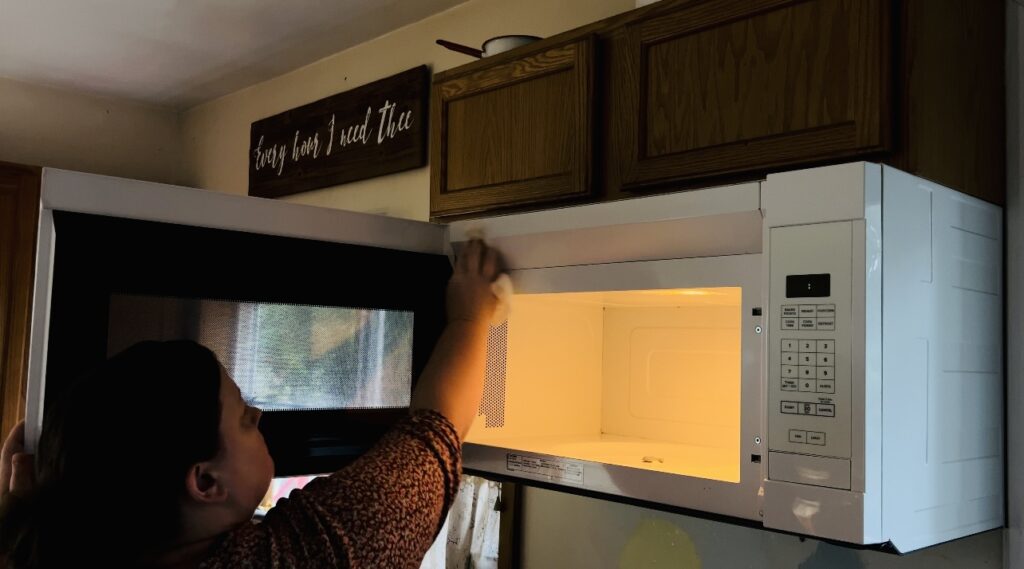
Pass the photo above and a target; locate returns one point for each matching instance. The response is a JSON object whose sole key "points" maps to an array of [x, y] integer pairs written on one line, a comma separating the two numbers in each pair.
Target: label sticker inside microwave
{"points": [[553, 469]]}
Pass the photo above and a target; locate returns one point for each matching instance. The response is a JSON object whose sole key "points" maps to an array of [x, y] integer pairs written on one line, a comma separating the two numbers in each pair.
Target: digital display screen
{"points": [[809, 286]]}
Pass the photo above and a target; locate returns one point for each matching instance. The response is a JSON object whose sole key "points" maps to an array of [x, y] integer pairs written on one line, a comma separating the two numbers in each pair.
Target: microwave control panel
{"points": [[810, 339]]}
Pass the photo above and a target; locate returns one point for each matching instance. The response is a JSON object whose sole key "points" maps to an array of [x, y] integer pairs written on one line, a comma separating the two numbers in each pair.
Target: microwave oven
{"points": [[819, 352]]}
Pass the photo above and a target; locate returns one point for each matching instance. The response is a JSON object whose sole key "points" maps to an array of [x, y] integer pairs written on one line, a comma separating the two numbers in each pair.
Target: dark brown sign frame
{"points": [[373, 130]]}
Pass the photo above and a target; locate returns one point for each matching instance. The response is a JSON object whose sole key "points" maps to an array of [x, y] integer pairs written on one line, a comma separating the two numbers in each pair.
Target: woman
{"points": [[155, 460]]}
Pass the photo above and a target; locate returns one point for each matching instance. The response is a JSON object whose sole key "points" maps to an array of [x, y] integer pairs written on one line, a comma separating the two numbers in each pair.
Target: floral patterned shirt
{"points": [[383, 510]]}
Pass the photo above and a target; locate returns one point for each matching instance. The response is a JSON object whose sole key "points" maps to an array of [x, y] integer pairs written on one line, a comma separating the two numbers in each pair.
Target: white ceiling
{"points": [[178, 53]]}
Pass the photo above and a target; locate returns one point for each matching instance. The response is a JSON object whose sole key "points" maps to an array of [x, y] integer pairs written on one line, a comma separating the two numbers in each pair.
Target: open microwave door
{"points": [[324, 318]]}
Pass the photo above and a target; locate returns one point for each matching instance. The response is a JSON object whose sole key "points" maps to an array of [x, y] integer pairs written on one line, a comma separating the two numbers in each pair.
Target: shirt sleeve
{"points": [[383, 510]]}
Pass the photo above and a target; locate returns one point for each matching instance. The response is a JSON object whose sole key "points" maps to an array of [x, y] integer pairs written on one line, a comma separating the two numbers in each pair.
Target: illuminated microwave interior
{"points": [[647, 379]]}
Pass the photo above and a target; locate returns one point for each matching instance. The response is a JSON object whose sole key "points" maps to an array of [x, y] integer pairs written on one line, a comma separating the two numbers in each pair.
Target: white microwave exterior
{"points": [[739, 499], [700, 238], [698, 223], [64, 190], [863, 195], [912, 487]]}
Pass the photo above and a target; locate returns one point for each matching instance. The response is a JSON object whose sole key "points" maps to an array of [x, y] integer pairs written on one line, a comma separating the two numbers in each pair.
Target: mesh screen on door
{"points": [[492, 404]]}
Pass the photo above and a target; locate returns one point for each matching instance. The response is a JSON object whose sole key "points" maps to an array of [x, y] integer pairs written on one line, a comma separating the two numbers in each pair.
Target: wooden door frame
{"points": [[17, 266]]}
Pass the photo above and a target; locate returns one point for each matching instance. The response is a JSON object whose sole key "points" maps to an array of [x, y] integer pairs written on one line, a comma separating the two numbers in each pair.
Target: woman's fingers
{"points": [[478, 259], [14, 444], [469, 261], [489, 265], [22, 473], [15, 440]]}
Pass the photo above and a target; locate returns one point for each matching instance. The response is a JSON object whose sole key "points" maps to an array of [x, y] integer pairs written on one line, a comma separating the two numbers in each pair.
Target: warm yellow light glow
{"points": [[681, 292], [644, 379]]}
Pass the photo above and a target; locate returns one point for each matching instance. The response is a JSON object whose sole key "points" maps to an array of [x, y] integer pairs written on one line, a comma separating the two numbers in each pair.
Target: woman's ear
{"points": [[204, 484]]}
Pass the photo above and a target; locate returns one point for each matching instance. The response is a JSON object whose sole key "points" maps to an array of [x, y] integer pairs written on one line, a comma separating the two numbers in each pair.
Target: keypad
{"points": [[808, 365]]}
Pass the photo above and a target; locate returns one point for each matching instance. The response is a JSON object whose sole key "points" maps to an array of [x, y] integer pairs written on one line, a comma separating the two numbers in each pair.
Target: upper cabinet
{"points": [[737, 85], [518, 132], [688, 93]]}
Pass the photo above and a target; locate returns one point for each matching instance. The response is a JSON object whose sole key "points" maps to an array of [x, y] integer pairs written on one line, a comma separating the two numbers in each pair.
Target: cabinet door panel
{"points": [[725, 87], [514, 134]]}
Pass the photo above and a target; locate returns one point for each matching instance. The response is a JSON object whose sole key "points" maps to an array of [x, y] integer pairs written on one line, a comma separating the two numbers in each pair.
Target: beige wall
{"points": [[217, 133], [43, 126]]}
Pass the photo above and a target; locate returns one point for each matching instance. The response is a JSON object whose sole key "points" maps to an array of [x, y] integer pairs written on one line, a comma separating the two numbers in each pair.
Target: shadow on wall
{"points": [[659, 544]]}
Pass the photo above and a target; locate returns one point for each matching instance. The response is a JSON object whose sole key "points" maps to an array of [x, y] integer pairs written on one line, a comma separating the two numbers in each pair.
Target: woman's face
{"points": [[245, 462]]}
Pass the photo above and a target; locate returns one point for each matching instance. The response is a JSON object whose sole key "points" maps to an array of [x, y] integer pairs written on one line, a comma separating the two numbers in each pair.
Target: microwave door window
{"points": [[285, 357]]}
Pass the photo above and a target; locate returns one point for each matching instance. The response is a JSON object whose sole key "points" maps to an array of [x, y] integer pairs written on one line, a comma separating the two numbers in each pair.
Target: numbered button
{"points": [[808, 360], [808, 346], [789, 358], [826, 346], [789, 345], [808, 385], [806, 372], [790, 372], [825, 373]]}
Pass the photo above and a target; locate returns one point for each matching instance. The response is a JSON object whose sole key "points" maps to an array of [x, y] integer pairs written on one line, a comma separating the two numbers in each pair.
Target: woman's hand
{"points": [[16, 467], [469, 296], [453, 380]]}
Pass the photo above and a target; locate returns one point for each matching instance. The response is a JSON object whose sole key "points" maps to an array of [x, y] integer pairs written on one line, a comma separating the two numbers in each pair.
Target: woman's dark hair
{"points": [[113, 457]]}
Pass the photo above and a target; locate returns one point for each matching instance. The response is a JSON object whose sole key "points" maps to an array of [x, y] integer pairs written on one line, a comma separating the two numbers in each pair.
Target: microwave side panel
{"points": [[942, 363]]}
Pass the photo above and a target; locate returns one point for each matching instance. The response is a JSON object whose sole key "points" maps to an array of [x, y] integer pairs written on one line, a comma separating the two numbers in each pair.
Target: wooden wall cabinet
{"points": [[517, 132], [950, 125], [725, 87], [694, 93]]}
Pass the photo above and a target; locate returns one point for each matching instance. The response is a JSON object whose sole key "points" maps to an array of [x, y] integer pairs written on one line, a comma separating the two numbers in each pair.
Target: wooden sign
{"points": [[376, 129]]}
